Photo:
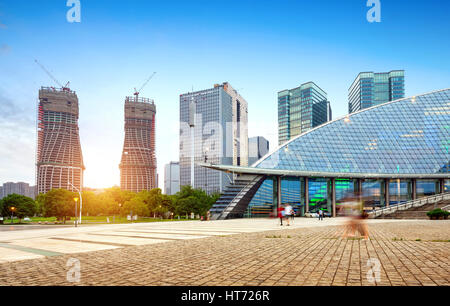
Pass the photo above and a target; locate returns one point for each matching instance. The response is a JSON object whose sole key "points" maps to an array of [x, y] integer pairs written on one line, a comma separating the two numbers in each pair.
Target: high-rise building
{"points": [[240, 126], [220, 135], [301, 109], [258, 147], [370, 89], [20, 188], [59, 159], [138, 165], [172, 178]]}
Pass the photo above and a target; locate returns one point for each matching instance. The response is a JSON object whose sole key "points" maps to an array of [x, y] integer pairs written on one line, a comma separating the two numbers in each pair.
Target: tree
{"points": [[189, 200], [186, 205], [59, 203], [118, 195], [158, 203], [136, 206], [40, 199], [23, 206]]}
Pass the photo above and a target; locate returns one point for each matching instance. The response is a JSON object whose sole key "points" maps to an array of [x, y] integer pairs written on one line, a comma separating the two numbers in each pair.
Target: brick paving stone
{"points": [[311, 256]]}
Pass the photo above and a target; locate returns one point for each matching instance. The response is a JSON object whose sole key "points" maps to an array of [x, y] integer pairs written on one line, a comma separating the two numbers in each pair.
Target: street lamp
{"points": [[12, 214], [76, 201], [206, 172], [120, 206], [81, 199]]}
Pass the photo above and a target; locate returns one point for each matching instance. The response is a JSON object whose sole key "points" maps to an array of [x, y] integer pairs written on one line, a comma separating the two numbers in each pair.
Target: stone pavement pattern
{"points": [[302, 256]]}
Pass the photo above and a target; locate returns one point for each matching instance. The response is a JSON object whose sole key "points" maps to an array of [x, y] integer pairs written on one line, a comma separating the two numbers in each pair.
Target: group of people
{"points": [[353, 209], [287, 213]]}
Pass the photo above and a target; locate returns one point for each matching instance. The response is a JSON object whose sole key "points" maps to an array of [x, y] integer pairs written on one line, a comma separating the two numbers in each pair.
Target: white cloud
{"points": [[17, 143]]}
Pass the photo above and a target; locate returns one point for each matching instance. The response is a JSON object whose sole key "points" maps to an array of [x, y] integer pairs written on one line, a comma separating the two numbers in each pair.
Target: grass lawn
{"points": [[92, 220]]}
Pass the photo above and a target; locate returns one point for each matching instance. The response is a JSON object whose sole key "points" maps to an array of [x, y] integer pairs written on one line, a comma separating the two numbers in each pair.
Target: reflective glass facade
{"points": [[408, 136], [370, 89], [319, 195], [220, 135], [427, 188], [292, 192], [263, 202], [400, 191], [301, 109]]}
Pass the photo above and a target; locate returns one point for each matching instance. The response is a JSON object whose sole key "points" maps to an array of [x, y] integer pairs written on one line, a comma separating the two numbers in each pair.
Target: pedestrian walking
{"points": [[280, 212], [288, 213], [354, 209], [320, 214]]}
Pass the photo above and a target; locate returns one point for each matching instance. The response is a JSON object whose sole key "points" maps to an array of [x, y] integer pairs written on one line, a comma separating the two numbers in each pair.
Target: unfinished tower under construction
{"points": [[138, 165], [59, 160]]}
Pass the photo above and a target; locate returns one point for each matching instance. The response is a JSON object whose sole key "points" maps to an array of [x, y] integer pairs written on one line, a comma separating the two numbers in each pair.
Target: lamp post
{"points": [[12, 214], [206, 172], [76, 201], [120, 208], [81, 198]]}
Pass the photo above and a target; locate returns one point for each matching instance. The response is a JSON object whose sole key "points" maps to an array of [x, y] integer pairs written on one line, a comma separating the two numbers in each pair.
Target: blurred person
{"points": [[362, 225], [288, 213], [280, 211], [349, 208], [354, 210]]}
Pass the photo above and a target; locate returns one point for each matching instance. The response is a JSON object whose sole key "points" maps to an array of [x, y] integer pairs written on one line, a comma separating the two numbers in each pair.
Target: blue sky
{"points": [[260, 47]]}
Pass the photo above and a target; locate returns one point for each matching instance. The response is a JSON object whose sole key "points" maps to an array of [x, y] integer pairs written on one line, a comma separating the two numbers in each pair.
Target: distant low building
{"points": [[172, 178], [20, 188]]}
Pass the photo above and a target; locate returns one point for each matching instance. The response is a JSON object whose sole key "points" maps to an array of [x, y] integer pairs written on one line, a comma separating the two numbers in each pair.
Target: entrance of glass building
{"points": [[311, 194]]}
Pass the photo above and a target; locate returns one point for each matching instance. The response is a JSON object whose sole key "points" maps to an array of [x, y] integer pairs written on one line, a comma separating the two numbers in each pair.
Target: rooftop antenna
{"points": [[137, 92]]}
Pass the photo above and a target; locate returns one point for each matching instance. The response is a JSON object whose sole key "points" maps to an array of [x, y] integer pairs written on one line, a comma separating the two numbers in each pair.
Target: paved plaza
{"points": [[244, 252]]}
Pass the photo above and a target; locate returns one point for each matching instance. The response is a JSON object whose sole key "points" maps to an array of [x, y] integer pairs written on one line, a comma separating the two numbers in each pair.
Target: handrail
{"points": [[410, 204], [227, 210], [446, 208]]}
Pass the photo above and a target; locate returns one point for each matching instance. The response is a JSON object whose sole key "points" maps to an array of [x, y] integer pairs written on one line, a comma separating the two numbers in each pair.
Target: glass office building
{"points": [[258, 147], [219, 135], [301, 109], [370, 89], [387, 154]]}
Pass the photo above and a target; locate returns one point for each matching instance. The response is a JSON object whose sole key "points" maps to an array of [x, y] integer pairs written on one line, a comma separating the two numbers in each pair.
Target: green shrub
{"points": [[437, 213]]}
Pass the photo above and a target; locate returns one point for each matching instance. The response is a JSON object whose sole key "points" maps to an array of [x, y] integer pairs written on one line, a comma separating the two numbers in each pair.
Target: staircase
{"points": [[413, 209], [417, 212], [236, 197]]}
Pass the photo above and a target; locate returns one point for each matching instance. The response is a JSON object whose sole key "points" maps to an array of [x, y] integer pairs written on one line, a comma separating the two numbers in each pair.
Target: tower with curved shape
{"points": [[59, 160], [138, 165]]}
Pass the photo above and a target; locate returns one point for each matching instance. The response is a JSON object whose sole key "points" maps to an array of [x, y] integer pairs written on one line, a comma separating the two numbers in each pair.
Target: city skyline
{"points": [[258, 75]]}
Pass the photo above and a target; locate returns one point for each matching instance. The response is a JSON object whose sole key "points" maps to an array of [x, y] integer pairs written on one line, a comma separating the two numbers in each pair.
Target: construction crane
{"points": [[137, 92], [64, 88]]}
